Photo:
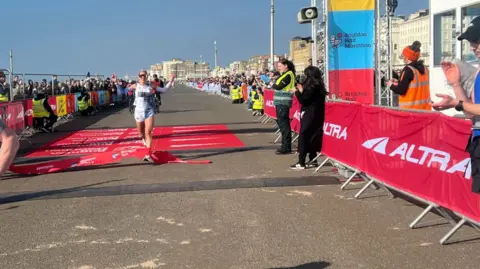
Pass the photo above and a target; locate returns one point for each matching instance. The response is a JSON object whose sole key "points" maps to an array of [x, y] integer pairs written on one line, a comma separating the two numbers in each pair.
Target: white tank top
{"points": [[144, 102]]}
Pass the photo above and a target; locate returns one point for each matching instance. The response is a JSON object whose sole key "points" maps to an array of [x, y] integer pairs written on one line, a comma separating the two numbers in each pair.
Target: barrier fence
{"points": [[19, 117], [421, 155]]}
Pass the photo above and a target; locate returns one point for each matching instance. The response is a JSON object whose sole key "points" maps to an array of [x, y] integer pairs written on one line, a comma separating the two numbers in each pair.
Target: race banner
{"points": [[61, 105], [52, 101], [295, 115], [351, 28], [70, 103], [268, 107]]}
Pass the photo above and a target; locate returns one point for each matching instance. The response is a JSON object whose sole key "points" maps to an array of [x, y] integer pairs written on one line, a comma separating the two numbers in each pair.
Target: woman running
{"points": [[145, 107]]}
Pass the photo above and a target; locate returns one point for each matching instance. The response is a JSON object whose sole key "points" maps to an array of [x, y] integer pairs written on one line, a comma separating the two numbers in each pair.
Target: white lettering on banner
{"points": [[89, 150], [297, 115], [88, 161], [269, 103], [9, 116], [21, 115], [54, 107], [421, 155], [44, 167], [335, 130]]}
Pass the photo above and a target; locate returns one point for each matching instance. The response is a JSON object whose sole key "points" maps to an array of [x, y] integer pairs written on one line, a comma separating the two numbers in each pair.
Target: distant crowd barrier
{"points": [[421, 155], [19, 117]]}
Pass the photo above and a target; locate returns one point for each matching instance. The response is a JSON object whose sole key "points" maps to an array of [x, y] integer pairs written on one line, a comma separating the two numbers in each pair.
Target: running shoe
{"points": [[147, 158]]}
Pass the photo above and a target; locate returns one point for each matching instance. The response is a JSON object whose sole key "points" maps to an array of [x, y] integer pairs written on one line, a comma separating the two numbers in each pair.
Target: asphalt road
{"points": [[245, 210]]}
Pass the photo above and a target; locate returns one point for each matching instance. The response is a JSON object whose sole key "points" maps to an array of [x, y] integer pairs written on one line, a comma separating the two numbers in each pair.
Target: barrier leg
{"points": [[450, 233], [355, 173], [364, 188], [421, 216], [277, 132], [278, 138], [322, 164], [295, 138], [446, 216], [261, 118]]}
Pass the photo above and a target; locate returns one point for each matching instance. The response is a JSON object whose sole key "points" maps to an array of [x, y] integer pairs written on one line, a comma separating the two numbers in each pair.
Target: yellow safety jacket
{"points": [[83, 104], [3, 98], [235, 93], [257, 102], [38, 109]]}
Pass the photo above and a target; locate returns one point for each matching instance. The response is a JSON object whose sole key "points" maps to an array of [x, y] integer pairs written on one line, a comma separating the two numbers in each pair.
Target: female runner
{"points": [[145, 107]]}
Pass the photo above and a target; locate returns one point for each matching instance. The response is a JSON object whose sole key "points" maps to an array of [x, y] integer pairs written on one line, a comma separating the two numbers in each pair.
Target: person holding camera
{"points": [[311, 94]]}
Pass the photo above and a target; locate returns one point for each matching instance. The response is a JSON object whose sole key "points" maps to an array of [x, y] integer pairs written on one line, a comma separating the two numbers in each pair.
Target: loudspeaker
{"points": [[306, 15]]}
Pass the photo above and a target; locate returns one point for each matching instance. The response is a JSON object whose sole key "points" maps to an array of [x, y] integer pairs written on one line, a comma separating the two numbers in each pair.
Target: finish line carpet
{"points": [[169, 138]]}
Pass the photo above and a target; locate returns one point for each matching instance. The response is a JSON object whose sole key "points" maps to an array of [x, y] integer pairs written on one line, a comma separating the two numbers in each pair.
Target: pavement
{"points": [[246, 209]]}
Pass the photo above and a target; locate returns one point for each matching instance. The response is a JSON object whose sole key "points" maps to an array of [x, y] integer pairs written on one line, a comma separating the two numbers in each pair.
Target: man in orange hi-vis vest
{"points": [[414, 85]]}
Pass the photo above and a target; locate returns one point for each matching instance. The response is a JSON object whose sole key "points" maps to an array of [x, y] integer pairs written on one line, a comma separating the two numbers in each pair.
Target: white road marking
{"points": [[185, 242], [84, 227], [203, 230], [195, 145], [304, 193], [190, 139]]}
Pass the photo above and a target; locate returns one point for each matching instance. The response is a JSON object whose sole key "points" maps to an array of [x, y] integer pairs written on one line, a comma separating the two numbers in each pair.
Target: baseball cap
{"points": [[473, 31]]}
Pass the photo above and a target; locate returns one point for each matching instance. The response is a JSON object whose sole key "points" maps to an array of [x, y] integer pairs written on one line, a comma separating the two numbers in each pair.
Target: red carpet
{"points": [[164, 139]]}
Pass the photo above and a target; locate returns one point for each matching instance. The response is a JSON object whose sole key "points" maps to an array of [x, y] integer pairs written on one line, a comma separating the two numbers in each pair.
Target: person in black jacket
{"points": [[311, 94]]}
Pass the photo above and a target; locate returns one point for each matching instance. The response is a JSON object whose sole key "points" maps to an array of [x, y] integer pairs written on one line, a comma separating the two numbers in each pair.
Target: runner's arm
{"points": [[9, 147]]}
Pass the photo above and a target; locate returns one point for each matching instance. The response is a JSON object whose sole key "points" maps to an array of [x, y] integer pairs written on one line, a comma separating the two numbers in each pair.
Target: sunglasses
{"points": [[142, 75]]}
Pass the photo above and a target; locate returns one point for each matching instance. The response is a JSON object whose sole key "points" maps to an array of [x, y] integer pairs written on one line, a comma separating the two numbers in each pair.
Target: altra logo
{"points": [[269, 103], [420, 155], [335, 131]]}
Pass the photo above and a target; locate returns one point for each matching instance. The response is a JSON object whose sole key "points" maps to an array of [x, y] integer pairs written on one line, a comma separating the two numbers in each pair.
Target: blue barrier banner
{"points": [[101, 98], [76, 101], [351, 49]]}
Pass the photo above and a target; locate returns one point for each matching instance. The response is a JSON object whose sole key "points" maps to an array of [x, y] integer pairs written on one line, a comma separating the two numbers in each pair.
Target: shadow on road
{"points": [[312, 265], [210, 185], [4, 199]]}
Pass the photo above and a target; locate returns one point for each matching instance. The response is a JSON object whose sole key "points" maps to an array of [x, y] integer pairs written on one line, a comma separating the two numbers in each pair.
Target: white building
{"points": [[449, 19], [404, 32]]}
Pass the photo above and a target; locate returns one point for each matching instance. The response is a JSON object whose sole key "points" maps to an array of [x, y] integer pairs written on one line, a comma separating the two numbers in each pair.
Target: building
{"points": [[448, 20], [301, 52], [220, 72], [238, 67], [185, 69], [404, 32], [156, 69]]}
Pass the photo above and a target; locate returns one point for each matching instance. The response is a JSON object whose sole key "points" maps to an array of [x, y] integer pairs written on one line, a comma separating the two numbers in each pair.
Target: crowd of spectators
{"points": [[27, 89]]}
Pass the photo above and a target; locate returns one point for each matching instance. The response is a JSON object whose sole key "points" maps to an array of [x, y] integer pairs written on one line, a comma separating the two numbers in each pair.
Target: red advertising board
{"points": [[52, 101], [70, 103], [268, 107]]}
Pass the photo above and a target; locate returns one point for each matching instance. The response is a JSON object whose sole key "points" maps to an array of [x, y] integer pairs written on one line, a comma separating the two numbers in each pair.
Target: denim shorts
{"points": [[142, 115]]}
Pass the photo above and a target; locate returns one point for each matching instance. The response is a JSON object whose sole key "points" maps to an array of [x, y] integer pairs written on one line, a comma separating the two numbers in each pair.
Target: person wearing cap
{"points": [[470, 105], [414, 85]]}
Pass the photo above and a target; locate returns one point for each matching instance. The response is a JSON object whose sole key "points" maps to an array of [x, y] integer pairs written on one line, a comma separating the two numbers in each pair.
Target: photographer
{"points": [[311, 94]]}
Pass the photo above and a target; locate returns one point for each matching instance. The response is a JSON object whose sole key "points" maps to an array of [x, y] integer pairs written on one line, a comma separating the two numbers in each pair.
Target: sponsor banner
{"points": [[295, 115], [61, 105], [343, 122], [101, 98], [347, 89], [70, 98], [351, 35], [28, 113], [422, 154], [13, 115], [93, 99], [52, 101], [268, 107], [76, 100]]}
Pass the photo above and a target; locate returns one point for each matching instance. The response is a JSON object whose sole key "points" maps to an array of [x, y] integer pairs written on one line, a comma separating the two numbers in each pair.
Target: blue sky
{"points": [[123, 36]]}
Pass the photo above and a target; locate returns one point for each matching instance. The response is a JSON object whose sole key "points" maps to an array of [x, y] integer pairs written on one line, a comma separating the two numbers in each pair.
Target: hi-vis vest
{"points": [[257, 102], [83, 104], [3, 98], [418, 93], [285, 96], [235, 93], [38, 109], [291, 85]]}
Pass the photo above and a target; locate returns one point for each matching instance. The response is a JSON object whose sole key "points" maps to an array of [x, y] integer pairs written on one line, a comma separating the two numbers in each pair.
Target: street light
{"points": [[272, 28]]}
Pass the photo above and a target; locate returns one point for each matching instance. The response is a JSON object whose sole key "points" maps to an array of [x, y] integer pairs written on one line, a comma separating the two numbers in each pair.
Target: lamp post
{"points": [[201, 67], [215, 51], [272, 34]]}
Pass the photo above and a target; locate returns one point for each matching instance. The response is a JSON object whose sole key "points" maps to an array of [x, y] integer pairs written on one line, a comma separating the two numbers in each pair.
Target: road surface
{"points": [[245, 210]]}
